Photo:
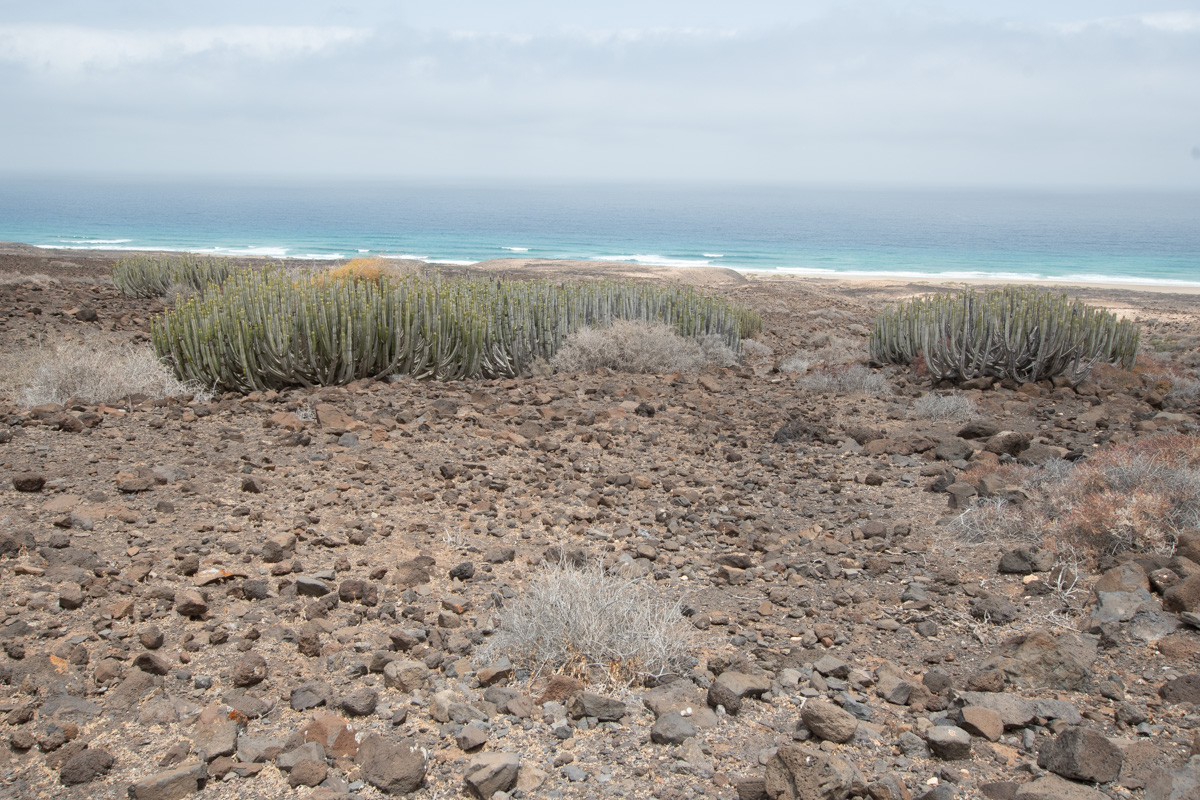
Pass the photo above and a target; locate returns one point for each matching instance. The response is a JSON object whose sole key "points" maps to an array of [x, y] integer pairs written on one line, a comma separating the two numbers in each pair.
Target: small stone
{"points": [[85, 767], [1185, 689], [360, 702], [250, 670], [800, 773], [587, 704], [307, 773], [28, 483], [190, 603], [151, 638], [393, 767], [984, 722], [1052, 787], [471, 737], [310, 695], [949, 742], [1082, 754], [171, 785], [672, 728], [405, 676], [464, 571], [828, 721], [311, 587]]}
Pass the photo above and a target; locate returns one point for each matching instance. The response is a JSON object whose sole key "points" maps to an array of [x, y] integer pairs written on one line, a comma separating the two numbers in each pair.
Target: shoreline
{"points": [[11, 253]]}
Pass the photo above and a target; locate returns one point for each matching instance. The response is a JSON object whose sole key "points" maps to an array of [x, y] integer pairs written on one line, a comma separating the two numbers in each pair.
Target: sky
{"points": [[1103, 93]]}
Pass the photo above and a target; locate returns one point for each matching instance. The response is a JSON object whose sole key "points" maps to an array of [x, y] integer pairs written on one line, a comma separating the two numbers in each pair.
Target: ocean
{"points": [[1135, 237]]}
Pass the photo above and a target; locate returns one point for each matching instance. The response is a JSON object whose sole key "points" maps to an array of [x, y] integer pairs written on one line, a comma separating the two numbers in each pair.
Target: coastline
{"points": [[30, 259]]}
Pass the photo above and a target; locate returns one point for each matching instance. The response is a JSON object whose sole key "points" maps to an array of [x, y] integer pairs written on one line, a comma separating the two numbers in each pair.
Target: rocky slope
{"points": [[289, 594]]}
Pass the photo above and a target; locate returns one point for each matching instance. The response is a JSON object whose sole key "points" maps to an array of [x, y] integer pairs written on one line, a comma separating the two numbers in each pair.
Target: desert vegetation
{"points": [[1019, 333], [161, 276], [91, 372], [640, 347], [589, 622], [1137, 496], [262, 329]]}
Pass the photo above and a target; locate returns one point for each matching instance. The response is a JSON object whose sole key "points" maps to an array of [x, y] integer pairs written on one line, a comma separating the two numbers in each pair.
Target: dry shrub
{"points": [[90, 372], [824, 350], [588, 622], [752, 348], [1128, 497], [640, 347], [995, 519], [944, 407], [855, 379], [367, 269]]}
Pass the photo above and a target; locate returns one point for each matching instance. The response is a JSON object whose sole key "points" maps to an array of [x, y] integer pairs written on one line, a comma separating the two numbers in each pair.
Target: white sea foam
{"points": [[959, 275], [654, 260], [516, 249], [363, 251], [95, 241], [713, 255], [449, 262]]}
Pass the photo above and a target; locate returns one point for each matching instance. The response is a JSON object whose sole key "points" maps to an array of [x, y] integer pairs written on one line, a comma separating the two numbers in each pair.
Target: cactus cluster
{"points": [[1020, 333], [155, 276], [262, 329]]}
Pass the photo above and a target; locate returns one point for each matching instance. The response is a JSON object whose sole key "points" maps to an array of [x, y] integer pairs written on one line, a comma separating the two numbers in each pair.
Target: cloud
{"points": [[66, 49], [894, 96]]}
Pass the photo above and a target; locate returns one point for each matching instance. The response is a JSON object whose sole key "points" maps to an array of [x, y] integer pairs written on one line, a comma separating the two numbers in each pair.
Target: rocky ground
{"points": [[288, 594]]}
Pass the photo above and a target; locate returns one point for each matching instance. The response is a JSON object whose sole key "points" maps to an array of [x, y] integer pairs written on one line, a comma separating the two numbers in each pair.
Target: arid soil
{"points": [[289, 594]]}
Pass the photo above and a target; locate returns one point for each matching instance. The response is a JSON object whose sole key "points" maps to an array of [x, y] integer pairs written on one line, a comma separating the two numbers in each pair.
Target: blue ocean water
{"points": [[1133, 237]]}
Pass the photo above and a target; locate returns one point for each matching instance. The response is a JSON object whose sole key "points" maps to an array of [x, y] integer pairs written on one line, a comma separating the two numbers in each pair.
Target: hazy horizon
{"points": [[1070, 96]]}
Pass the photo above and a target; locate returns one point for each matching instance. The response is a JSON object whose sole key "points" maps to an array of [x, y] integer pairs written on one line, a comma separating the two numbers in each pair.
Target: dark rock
{"points": [[360, 702], [85, 766], [1183, 596], [1044, 660], [28, 483], [828, 721], [672, 728], [1023, 561], [1184, 689], [172, 785], [393, 767], [489, 773], [250, 670], [995, 609], [949, 742], [310, 695], [1082, 754], [587, 704], [190, 603], [796, 772], [463, 571], [1009, 443], [1052, 787], [307, 773]]}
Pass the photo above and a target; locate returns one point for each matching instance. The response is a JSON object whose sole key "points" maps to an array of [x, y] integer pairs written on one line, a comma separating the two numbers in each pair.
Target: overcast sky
{"points": [[1070, 93]]}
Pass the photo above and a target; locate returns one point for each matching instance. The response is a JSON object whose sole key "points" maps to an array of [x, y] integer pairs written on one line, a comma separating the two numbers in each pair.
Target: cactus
{"points": [[261, 329], [153, 276], [1022, 333]]}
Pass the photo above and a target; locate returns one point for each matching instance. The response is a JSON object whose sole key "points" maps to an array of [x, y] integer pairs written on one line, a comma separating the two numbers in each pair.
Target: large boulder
{"points": [[796, 772], [391, 766], [1044, 660]]}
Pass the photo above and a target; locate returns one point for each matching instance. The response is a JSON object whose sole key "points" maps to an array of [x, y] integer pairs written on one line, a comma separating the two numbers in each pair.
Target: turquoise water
{"points": [[1134, 237]]}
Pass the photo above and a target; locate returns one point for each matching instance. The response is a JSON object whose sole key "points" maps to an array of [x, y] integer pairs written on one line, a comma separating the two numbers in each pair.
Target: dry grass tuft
{"points": [[367, 269], [855, 379], [639, 347], [588, 622], [1129, 497], [952, 406], [91, 372]]}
